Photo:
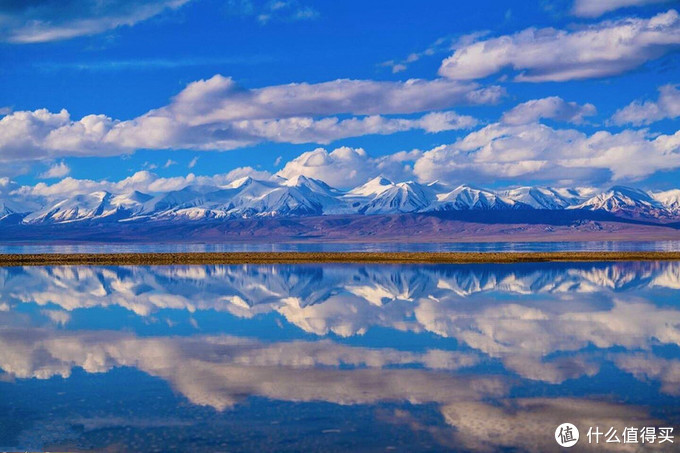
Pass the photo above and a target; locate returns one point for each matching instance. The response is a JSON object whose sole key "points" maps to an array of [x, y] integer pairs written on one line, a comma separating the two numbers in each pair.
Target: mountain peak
{"points": [[375, 186], [238, 183], [301, 195]]}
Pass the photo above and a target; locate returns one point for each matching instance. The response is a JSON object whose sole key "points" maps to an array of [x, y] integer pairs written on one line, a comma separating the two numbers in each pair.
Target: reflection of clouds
{"points": [[529, 424], [521, 335], [220, 371], [520, 314], [648, 367]]}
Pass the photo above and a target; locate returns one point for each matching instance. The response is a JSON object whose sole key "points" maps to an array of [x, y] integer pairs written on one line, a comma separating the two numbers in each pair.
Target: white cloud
{"points": [[220, 99], [596, 8], [242, 172], [537, 151], [552, 107], [193, 162], [143, 181], [56, 171], [604, 49], [169, 163], [502, 151], [347, 167], [641, 113], [44, 20], [215, 114]]}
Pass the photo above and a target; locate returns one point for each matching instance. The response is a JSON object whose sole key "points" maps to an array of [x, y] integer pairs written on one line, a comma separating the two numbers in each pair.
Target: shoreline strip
{"points": [[103, 259]]}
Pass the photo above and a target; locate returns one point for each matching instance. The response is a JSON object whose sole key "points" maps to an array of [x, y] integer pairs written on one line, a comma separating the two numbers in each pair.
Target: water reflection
{"points": [[501, 354]]}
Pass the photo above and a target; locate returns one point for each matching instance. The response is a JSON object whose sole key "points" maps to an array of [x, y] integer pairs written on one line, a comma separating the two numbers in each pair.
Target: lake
{"points": [[337, 357], [570, 246]]}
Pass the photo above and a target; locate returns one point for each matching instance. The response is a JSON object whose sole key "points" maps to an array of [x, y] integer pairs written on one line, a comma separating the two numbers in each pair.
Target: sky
{"points": [[158, 94]]}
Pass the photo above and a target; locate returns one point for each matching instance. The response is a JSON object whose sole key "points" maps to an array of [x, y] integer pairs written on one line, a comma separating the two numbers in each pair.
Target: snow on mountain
{"points": [[465, 197], [626, 201], [670, 199], [302, 196], [542, 197], [9, 213], [402, 197], [248, 197], [78, 207], [5, 209], [374, 187], [329, 198]]}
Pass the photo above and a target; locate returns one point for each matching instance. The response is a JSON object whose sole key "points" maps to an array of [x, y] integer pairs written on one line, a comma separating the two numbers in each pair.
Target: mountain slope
{"points": [[627, 202], [301, 196], [465, 197]]}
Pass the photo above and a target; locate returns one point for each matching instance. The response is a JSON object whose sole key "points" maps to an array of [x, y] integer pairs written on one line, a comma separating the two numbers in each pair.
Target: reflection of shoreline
{"points": [[45, 259]]}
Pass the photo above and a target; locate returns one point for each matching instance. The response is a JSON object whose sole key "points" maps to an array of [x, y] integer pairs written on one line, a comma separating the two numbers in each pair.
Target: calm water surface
{"points": [[335, 357], [591, 246]]}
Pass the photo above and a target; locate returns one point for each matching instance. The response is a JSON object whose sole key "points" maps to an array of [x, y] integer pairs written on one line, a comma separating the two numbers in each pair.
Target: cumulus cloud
{"points": [[347, 167], [537, 151], [143, 181], [221, 99], [642, 113], [596, 8], [553, 107], [216, 114], [56, 171], [47, 20], [604, 49]]}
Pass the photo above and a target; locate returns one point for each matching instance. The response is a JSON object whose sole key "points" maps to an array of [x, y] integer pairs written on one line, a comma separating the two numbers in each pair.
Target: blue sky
{"points": [[495, 93]]}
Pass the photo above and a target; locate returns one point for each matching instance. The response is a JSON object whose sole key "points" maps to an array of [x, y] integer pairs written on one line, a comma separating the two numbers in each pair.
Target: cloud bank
{"points": [[549, 55], [217, 114]]}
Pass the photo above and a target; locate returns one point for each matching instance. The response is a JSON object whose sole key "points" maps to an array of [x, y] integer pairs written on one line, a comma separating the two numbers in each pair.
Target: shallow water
{"points": [[336, 357], [584, 246]]}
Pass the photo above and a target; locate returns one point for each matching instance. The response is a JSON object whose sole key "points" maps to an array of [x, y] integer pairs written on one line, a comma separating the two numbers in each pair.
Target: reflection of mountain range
{"points": [[515, 313], [303, 207], [253, 287], [545, 324]]}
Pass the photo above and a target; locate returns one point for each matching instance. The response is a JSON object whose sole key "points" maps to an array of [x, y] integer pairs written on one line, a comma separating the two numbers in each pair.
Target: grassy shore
{"points": [[49, 259]]}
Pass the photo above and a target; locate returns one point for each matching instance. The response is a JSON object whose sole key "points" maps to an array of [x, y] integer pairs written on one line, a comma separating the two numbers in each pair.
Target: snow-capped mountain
{"points": [[77, 207], [10, 214], [302, 196], [670, 199], [625, 201], [390, 198], [545, 197], [465, 197]]}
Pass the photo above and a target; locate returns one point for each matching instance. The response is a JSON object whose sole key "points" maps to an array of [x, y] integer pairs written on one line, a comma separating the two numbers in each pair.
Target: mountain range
{"points": [[247, 200]]}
